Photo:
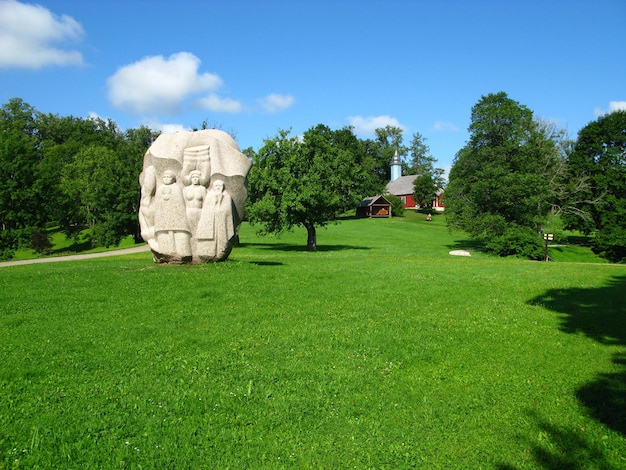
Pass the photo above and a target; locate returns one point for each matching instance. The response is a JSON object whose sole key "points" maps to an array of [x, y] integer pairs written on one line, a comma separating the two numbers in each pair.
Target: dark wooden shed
{"points": [[375, 206]]}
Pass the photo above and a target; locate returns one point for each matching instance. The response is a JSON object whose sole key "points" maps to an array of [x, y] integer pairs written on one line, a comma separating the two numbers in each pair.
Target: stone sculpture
{"points": [[193, 193]]}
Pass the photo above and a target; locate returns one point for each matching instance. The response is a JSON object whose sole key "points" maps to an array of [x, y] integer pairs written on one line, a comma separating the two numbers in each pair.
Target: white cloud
{"points": [[274, 103], [443, 126], [171, 128], [367, 125], [165, 128], [27, 35], [216, 104], [613, 106], [158, 85]]}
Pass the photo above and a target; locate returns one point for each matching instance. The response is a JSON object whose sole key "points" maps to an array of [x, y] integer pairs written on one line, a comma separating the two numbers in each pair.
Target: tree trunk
{"points": [[311, 242]]}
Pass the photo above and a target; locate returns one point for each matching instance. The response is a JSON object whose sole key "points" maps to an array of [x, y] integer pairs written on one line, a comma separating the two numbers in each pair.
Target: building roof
{"points": [[368, 201], [402, 186]]}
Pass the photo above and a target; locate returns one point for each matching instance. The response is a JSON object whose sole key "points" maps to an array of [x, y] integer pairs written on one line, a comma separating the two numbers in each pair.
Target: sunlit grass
{"points": [[62, 246], [379, 351]]}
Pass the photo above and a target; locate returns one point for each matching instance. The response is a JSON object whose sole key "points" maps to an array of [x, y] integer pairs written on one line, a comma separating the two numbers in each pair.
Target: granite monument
{"points": [[193, 193]]}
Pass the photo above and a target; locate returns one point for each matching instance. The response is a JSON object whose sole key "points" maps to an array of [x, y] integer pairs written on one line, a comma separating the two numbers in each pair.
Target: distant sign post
{"points": [[547, 237]]}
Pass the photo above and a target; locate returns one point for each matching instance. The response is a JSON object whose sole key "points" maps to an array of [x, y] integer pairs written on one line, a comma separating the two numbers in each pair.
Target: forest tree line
{"points": [[516, 178], [73, 174]]}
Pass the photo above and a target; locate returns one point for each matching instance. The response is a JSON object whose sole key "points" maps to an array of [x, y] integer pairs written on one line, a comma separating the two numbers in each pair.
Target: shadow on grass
{"points": [[292, 247], [76, 247], [581, 240], [557, 448], [468, 244], [266, 263], [599, 314]]}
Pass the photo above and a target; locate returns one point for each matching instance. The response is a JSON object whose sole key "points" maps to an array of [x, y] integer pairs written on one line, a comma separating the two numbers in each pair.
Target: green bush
{"points": [[521, 242], [397, 206], [40, 242], [611, 244], [9, 242]]}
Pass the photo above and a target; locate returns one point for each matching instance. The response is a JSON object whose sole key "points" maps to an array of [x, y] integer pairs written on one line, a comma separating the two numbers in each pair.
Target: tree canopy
{"points": [[68, 172], [429, 179], [498, 190], [600, 155], [309, 181]]}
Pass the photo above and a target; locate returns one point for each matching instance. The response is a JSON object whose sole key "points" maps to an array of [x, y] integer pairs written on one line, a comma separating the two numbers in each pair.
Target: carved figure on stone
{"points": [[181, 220], [171, 228], [194, 198], [216, 228]]}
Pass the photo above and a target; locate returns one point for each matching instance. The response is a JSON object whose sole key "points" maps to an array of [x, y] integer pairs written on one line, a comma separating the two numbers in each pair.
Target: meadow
{"points": [[379, 351]]}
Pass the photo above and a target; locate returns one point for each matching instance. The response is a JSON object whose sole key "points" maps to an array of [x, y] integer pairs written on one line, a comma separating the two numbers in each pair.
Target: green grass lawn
{"points": [[378, 351]]}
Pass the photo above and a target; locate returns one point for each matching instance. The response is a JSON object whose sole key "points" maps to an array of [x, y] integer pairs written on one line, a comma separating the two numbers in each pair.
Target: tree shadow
{"points": [[600, 314], [473, 245], [605, 397], [299, 247], [557, 448], [75, 247], [266, 263]]}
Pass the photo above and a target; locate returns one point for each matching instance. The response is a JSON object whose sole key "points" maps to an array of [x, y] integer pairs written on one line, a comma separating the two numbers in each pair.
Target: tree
{"points": [[66, 171], [388, 141], [600, 155], [91, 180], [429, 179], [60, 139], [425, 190], [498, 191], [102, 183], [420, 158], [307, 182], [20, 209], [134, 146]]}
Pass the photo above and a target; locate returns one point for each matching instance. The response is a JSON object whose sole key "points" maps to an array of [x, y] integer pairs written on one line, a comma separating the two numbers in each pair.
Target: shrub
{"points": [[611, 244], [397, 206], [40, 242], [522, 242], [9, 241]]}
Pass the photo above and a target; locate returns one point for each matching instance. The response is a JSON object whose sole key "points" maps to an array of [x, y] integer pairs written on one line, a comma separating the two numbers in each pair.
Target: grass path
{"points": [[55, 259]]}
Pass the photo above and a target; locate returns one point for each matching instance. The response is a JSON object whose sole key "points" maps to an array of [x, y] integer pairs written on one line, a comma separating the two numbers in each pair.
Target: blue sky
{"points": [[255, 67]]}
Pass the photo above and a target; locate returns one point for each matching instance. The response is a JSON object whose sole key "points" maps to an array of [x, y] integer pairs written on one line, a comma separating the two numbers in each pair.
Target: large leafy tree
{"points": [[101, 181], [61, 139], [600, 155], [498, 190], [388, 141], [429, 179], [20, 210], [307, 182], [71, 172], [134, 146]]}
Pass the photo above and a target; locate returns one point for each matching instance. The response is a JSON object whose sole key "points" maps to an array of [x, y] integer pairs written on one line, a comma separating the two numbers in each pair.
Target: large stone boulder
{"points": [[193, 193]]}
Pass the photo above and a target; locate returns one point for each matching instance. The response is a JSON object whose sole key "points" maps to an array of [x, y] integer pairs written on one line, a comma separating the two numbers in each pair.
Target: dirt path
{"points": [[56, 259]]}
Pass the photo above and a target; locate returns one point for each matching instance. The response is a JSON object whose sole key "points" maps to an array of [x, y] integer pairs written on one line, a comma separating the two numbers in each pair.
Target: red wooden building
{"points": [[403, 188]]}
